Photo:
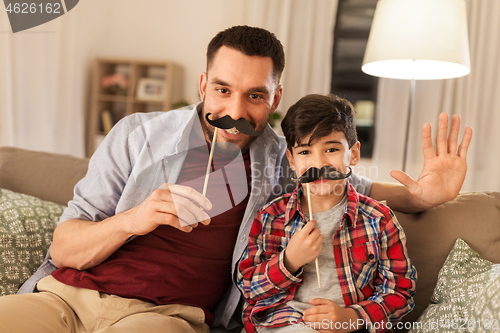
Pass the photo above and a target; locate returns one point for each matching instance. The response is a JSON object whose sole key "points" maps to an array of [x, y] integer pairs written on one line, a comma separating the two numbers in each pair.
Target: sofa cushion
{"points": [[47, 176], [462, 279], [473, 217], [26, 227]]}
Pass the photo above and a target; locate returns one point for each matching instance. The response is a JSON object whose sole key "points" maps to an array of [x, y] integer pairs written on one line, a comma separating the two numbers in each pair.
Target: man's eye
{"points": [[223, 90], [255, 96]]}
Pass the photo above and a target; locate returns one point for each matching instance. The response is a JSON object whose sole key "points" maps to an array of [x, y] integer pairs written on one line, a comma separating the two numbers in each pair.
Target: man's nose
{"points": [[236, 108]]}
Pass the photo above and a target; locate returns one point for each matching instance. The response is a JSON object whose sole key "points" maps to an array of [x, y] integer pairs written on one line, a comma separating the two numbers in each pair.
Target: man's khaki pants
{"points": [[61, 308]]}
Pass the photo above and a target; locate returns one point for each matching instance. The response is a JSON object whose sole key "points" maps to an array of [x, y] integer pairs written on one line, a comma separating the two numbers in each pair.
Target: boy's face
{"points": [[332, 150], [240, 86]]}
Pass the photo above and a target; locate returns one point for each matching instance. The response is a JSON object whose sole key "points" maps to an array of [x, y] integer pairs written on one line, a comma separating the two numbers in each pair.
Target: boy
{"points": [[367, 277]]}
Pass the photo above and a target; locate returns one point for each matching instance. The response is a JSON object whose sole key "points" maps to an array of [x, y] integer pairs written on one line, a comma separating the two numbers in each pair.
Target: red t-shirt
{"points": [[168, 266]]}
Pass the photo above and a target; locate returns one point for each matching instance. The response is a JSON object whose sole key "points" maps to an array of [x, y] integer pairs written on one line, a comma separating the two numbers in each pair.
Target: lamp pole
{"points": [[410, 109]]}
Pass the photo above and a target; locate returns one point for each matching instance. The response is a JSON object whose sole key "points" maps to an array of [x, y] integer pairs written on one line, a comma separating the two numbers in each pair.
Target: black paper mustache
{"points": [[241, 125], [326, 172]]}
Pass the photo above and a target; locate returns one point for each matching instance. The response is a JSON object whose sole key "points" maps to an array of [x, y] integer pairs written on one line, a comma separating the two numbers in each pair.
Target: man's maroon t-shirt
{"points": [[168, 266]]}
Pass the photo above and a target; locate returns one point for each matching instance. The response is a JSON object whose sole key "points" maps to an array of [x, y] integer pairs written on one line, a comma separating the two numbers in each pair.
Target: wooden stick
{"points": [[209, 162], [310, 218]]}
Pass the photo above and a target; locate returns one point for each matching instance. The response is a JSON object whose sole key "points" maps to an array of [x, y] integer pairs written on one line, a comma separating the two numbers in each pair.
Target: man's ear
{"points": [[355, 153], [203, 85], [289, 156], [277, 99]]}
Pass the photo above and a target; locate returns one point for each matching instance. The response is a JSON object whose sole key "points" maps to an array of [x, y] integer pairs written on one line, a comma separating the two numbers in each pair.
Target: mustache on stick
{"points": [[326, 172], [241, 124]]}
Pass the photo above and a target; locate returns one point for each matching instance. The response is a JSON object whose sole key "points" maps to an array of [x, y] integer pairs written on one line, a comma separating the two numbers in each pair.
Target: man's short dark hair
{"points": [[251, 41], [319, 115]]}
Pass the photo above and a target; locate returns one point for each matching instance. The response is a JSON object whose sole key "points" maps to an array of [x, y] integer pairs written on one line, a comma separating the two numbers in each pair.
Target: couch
{"points": [[473, 217]]}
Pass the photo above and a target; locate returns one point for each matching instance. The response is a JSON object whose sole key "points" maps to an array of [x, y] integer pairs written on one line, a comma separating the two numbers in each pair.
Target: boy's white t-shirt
{"points": [[328, 224]]}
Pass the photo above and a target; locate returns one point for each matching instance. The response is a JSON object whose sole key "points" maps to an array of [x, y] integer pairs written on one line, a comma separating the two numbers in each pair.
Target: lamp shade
{"points": [[418, 39]]}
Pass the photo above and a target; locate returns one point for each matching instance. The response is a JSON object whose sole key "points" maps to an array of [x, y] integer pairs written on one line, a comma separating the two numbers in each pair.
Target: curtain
{"points": [[40, 71], [305, 28], [475, 97]]}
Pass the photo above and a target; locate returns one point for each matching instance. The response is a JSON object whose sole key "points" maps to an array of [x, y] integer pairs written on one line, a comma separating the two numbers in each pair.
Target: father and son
{"points": [[165, 258]]}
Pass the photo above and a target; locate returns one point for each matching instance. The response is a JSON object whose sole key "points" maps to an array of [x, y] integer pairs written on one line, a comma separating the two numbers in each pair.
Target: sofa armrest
{"points": [[47, 176]]}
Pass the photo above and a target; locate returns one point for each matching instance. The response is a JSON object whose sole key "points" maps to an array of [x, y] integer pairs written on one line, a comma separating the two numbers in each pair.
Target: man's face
{"points": [[240, 86], [332, 150]]}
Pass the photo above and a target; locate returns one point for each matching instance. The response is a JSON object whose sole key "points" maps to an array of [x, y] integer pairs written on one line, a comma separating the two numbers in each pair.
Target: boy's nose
{"points": [[319, 162]]}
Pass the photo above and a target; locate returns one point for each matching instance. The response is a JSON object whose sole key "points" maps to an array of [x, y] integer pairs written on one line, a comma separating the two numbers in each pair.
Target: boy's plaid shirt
{"points": [[375, 273]]}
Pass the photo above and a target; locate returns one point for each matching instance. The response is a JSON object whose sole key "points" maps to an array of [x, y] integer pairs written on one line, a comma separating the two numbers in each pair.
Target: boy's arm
{"points": [[263, 274], [396, 280]]}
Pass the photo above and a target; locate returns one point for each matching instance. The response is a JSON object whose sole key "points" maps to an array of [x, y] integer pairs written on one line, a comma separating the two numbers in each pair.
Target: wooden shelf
{"points": [[143, 77], [112, 98]]}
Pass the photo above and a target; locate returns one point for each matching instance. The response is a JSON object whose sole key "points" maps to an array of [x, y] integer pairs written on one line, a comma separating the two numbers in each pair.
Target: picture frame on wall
{"points": [[149, 89]]}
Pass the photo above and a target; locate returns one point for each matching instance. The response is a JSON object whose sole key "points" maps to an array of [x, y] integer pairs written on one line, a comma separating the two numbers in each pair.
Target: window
{"points": [[352, 28]]}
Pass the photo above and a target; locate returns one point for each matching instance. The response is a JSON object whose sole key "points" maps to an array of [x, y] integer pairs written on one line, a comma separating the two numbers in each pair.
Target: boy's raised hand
{"points": [[304, 246], [327, 311]]}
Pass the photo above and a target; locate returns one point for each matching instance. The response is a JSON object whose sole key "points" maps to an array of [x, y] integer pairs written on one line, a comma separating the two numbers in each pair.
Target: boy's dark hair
{"points": [[250, 41], [319, 115]]}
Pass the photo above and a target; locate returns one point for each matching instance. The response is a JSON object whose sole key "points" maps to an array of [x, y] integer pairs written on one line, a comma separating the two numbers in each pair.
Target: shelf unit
{"points": [[124, 103]]}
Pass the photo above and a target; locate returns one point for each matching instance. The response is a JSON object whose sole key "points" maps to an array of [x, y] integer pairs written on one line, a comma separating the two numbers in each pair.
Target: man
{"points": [[148, 265]]}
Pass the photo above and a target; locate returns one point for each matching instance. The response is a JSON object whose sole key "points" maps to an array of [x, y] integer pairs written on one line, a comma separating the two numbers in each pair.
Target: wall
{"points": [[48, 68], [177, 31]]}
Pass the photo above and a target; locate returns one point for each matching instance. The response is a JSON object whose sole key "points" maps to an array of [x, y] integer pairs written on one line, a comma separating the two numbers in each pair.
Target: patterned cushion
{"points": [[26, 227], [462, 300]]}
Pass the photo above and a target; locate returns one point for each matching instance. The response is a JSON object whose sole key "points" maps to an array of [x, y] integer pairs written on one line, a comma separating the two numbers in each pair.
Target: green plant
{"points": [[274, 118]]}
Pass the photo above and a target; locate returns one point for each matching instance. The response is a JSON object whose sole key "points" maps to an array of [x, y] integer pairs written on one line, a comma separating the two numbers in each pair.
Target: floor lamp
{"points": [[418, 40]]}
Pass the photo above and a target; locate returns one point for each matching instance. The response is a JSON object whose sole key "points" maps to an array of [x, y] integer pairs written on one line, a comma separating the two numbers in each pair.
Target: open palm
{"points": [[444, 168]]}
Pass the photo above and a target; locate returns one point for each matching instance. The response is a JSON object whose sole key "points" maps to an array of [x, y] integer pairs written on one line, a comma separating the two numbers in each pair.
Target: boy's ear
{"points": [[355, 153], [289, 156]]}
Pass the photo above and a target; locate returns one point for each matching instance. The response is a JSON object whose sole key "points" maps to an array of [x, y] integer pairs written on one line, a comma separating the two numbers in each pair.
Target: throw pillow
{"points": [[456, 304], [486, 307], [26, 227]]}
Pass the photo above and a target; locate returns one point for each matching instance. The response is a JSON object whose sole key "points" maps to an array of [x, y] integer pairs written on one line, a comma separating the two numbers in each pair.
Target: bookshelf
{"points": [[150, 86]]}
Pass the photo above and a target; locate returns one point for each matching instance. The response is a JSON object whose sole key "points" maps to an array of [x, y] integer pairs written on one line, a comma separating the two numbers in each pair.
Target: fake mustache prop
{"points": [[241, 125], [326, 172]]}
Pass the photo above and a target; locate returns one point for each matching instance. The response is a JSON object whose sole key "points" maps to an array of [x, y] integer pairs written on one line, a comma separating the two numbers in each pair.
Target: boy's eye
{"points": [[332, 150], [303, 152]]}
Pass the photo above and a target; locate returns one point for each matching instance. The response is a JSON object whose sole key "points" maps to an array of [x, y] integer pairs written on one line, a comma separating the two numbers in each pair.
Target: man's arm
{"points": [[90, 230], [442, 175], [84, 244]]}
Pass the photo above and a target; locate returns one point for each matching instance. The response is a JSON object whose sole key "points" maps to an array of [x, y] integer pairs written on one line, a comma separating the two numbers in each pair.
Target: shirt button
{"points": [[371, 256]]}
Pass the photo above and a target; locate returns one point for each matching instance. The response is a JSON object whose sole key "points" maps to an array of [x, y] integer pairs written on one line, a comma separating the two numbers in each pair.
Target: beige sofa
{"points": [[474, 217]]}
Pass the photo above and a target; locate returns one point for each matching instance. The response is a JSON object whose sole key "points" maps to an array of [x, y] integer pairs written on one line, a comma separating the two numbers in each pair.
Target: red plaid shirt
{"points": [[376, 275]]}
